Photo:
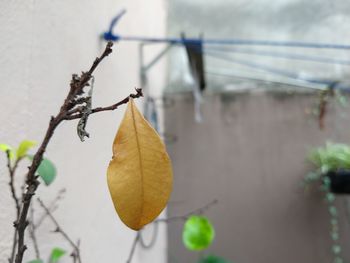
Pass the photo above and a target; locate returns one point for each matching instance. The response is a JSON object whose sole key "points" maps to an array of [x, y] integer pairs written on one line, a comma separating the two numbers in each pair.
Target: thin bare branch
{"points": [[74, 254], [71, 108], [12, 171], [76, 88], [60, 230], [14, 246], [52, 207], [32, 233], [138, 94], [138, 237], [197, 211]]}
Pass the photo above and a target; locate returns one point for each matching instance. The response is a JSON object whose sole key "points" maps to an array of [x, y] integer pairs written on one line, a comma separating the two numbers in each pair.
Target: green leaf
{"points": [[198, 233], [24, 147], [56, 254], [326, 181], [338, 260], [343, 101], [334, 222], [36, 261], [330, 197], [333, 211], [4, 147], [312, 177], [332, 157], [213, 259], [334, 236], [336, 249], [46, 170]]}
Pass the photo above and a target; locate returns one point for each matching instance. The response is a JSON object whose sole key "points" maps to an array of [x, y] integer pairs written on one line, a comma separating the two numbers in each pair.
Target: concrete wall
{"points": [[249, 153], [42, 44]]}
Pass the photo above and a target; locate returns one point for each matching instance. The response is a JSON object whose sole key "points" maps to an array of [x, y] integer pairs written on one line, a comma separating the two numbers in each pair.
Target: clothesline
{"points": [[276, 71], [110, 36], [285, 55], [335, 84], [293, 83], [208, 41], [210, 47]]}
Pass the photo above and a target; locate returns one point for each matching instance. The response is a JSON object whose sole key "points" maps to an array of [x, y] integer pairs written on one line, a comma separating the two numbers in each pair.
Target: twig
{"points": [[199, 211], [138, 237], [12, 171], [61, 231], [132, 251], [322, 108], [14, 245], [52, 207], [75, 255], [34, 226], [323, 103], [32, 233], [77, 85], [138, 94]]}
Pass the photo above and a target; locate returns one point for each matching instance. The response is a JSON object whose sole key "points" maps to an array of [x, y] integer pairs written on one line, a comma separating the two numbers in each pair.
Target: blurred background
{"points": [[240, 91]]}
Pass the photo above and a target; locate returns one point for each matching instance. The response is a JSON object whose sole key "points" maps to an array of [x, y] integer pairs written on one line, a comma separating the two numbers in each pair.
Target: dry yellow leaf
{"points": [[140, 174]]}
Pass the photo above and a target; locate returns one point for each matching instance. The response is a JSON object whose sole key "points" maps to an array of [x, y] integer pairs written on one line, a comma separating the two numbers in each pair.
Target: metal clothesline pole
{"points": [[211, 41], [283, 55], [277, 71], [294, 83]]}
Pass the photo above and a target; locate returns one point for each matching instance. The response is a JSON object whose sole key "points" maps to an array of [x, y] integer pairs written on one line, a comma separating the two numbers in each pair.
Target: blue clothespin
{"points": [[109, 36]]}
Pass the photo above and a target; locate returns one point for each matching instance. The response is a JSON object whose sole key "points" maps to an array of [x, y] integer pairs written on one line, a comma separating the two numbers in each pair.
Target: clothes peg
{"points": [[194, 51]]}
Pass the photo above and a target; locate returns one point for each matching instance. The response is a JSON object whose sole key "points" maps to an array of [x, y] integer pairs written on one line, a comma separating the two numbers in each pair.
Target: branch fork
{"points": [[72, 108]]}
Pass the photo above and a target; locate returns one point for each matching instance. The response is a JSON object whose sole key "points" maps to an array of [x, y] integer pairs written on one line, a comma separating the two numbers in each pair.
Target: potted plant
{"points": [[333, 172], [333, 167]]}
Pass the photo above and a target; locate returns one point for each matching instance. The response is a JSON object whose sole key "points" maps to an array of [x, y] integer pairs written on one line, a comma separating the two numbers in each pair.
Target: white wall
{"points": [[42, 43]]}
